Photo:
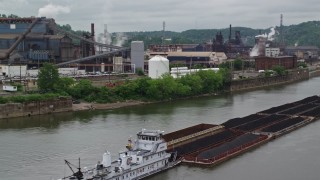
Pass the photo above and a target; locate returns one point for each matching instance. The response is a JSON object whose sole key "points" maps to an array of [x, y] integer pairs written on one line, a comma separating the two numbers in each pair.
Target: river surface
{"points": [[35, 147]]}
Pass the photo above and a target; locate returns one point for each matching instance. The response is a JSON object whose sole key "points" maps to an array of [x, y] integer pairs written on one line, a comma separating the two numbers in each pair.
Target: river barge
{"points": [[203, 144], [239, 135]]}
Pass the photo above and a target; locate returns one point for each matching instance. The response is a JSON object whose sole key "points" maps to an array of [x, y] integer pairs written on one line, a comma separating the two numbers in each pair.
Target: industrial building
{"points": [[208, 59], [303, 52], [40, 44], [232, 47], [265, 63], [180, 47], [272, 51], [34, 41]]}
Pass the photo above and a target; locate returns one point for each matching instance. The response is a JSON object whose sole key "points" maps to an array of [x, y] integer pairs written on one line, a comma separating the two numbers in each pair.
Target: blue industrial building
{"points": [[40, 44]]}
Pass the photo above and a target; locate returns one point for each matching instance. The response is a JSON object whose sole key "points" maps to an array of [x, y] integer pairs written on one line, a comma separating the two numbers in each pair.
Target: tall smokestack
{"points": [[93, 39], [230, 33], [92, 29]]}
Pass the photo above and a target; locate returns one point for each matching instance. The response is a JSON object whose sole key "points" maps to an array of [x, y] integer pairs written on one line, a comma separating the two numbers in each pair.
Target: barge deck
{"points": [[209, 145]]}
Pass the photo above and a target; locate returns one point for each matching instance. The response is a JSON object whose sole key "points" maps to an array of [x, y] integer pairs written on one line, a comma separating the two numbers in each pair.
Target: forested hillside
{"points": [[307, 33], [304, 34]]}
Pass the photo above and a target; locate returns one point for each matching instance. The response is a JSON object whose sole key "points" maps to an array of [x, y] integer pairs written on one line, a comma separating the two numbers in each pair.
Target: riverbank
{"points": [[95, 106], [36, 108]]}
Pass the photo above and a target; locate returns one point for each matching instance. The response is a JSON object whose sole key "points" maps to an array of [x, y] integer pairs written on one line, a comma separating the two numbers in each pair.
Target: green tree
{"points": [[212, 81], [237, 64], [194, 82], [302, 64], [82, 89], [48, 78], [64, 84], [280, 70]]}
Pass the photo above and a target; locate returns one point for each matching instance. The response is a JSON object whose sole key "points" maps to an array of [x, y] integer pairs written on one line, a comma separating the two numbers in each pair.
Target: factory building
{"points": [[180, 47], [272, 52], [303, 52], [40, 44], [265, 63], [208, 59]]}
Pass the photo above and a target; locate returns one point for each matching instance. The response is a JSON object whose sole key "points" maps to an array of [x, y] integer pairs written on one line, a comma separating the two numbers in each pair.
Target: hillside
{"points": [[304, 34]]}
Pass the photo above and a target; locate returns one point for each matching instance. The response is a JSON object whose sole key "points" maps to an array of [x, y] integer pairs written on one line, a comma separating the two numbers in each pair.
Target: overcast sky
{"points": [[179, 15]]}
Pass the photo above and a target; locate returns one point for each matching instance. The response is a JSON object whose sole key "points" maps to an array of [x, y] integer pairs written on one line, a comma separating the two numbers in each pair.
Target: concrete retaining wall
{"points": [[314, 73], [11, 110], [246, 84]]}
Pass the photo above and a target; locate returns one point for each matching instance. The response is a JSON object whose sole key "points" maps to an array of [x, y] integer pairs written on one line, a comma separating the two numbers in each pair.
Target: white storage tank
{"points": [[158, 66]]}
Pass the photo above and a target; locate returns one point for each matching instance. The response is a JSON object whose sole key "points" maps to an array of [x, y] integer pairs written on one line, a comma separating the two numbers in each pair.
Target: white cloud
{"points": [[52, 11]]}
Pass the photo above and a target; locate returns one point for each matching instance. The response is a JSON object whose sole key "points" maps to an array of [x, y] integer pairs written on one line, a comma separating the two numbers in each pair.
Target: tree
{"points": [[48, 78], [64, 84], [82, 89], [237, 64], [280, 70]]}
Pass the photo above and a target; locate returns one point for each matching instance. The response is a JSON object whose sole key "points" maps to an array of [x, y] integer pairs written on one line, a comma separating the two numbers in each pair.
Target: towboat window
{"points": [[143, 138]]}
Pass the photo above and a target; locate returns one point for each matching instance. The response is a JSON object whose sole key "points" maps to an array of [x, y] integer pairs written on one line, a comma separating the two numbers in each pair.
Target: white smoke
{"points": [[254, 51], [265, 36], [105, 38], [120, 39], [52, 11], [296, 44], [269, 36]]}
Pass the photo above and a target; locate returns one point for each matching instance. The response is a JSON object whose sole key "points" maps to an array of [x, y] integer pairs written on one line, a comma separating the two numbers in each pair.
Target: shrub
{"points": [[18, 99], [139, 72], [3, 100]]}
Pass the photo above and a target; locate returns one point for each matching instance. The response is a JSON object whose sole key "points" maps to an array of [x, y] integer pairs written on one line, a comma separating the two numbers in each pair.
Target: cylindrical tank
{"points": [[158, 66], [106, 159], [137, 54], [102, 67]]}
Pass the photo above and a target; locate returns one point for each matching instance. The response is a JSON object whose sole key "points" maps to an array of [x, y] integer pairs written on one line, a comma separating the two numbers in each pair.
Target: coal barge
{"points": [[208, 145]]}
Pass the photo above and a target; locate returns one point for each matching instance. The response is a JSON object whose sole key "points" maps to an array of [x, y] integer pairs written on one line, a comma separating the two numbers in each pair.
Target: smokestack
{"points": [[230, 33], [92, 29], [93, 39]]}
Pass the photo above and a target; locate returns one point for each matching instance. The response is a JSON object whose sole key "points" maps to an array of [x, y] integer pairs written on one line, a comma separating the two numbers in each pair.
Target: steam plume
{"points": [[254, 51], [270, 36]]}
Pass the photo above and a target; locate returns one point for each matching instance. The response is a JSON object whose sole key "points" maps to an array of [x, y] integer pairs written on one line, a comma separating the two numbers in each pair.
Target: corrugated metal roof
{"points": [[197, 54], [191, 54], [302, 48]]}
